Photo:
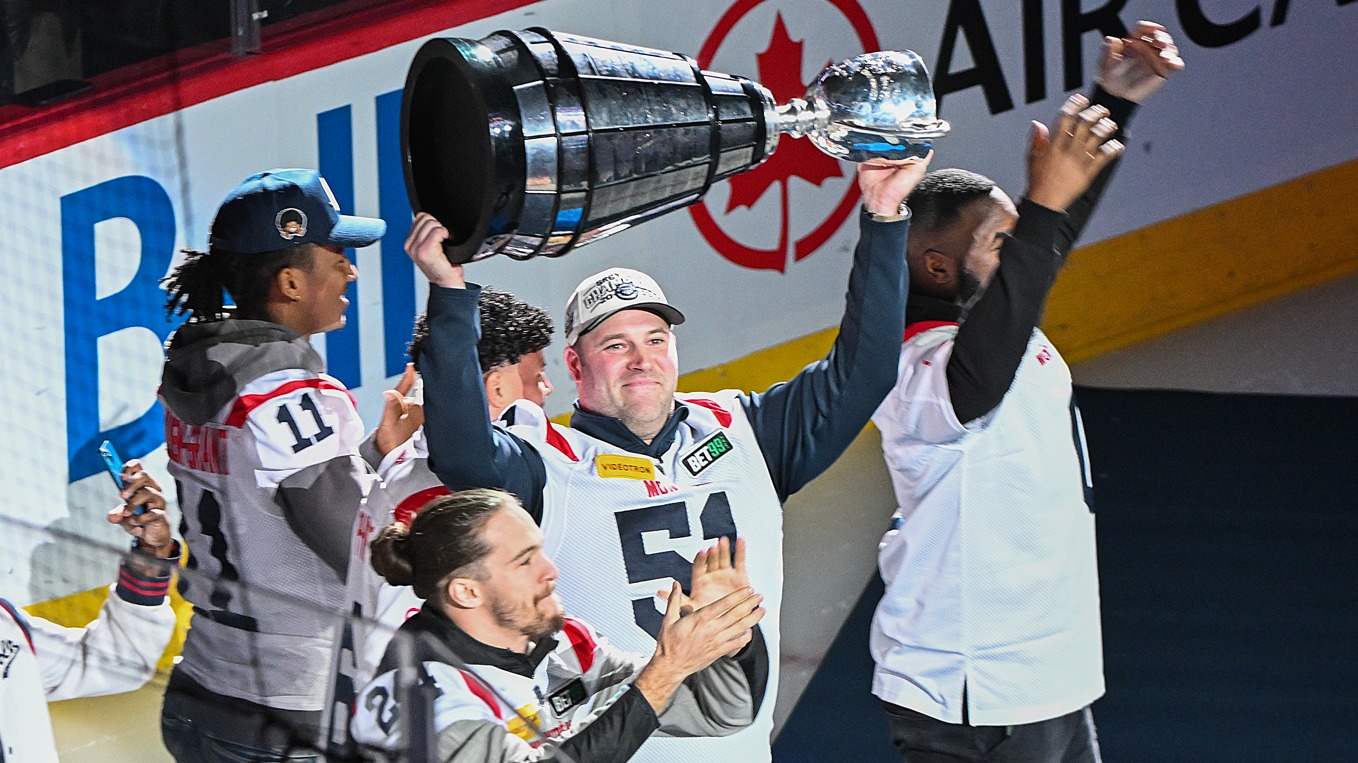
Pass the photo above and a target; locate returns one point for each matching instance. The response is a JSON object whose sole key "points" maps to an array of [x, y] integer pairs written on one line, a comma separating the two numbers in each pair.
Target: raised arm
{"points": [[1131, 69], [1069, 168], [119, 650], [804, 424], [465, 449]]}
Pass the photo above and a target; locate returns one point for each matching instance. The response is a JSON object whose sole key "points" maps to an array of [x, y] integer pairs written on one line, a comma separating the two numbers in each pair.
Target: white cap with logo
{"points": [[611, 291]]}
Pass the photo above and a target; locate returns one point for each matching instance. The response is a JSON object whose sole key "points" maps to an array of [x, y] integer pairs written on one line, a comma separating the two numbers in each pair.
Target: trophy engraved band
{"points": [[531, 143]]}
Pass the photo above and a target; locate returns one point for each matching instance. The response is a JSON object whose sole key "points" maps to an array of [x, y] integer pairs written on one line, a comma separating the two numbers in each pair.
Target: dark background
{"points": [[1228, 557]]}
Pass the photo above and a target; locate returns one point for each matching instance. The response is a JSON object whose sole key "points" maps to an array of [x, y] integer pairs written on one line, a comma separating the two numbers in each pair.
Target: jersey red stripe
{"points": [[558, 441], [919, 327], [247, 403], [411, 506], [482, 693], [723, 415], [581, 642]]}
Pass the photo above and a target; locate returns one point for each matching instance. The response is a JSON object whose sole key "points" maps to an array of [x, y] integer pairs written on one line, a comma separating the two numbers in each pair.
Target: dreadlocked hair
{"points": [[510, 329], [199, 285]]}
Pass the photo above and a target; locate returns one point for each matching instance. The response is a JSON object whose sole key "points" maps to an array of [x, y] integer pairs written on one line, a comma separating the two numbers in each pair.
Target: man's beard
{"points": [[968, 288], [532, 624]]}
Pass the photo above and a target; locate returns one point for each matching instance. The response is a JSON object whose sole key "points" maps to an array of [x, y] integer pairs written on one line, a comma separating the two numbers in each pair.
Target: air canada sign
{"points": [[787, 208]]}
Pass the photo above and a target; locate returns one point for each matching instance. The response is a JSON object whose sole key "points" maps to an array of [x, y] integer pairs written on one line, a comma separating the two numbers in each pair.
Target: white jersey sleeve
{"points": [[920, 407], [115, 653]]}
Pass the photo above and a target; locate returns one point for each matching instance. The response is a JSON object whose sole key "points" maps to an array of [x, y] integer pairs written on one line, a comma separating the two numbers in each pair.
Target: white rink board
{"points": [[1274, 105]]}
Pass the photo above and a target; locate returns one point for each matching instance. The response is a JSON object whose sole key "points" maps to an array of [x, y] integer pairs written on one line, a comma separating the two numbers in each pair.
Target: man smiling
{"points": [[639, 462]]}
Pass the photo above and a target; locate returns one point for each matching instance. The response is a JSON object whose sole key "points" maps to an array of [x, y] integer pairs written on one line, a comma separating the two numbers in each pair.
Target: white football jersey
{"points": [[620, 526], [566, 691], [407, 485], [990, 568], [262, 648]]}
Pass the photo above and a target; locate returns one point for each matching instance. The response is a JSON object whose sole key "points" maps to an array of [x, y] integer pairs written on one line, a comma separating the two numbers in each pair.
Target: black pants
{"points": [[198, 726], [921, 739]]}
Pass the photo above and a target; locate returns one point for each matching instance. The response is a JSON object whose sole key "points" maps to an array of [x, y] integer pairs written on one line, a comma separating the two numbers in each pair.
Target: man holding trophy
{"points": [[638, 459], [735, 455]]}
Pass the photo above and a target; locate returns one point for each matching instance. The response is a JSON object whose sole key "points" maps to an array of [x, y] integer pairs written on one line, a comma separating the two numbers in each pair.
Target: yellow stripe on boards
{"points": [[80, 609], [1206, 264], [760, 370], [1157, 280]]}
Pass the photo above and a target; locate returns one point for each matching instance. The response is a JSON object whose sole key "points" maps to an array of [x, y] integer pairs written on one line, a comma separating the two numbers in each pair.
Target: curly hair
{"points": [[199, 285], [510, 329]]}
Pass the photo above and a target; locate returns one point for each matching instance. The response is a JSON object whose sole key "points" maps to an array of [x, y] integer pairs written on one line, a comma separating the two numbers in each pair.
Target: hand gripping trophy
{"points": [[532, 143]]}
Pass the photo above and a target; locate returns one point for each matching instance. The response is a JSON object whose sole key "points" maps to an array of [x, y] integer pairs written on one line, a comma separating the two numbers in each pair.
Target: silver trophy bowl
{"points": [[877, 106]]}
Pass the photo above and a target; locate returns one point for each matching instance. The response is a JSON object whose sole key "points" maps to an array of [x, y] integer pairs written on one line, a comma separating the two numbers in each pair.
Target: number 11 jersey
{"points": [[263, 448]]}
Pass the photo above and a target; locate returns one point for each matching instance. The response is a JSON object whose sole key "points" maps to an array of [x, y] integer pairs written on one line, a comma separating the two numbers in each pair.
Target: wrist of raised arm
{"points": [[1120, 110], [144, 577], [1037, 225]]}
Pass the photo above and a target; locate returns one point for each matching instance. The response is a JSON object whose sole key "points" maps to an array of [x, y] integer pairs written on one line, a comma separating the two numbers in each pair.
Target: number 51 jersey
{"points": [[263, 449], [621, 525]]}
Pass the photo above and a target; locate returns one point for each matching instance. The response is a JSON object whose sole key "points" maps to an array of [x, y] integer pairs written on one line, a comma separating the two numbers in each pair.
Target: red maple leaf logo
{"points": [[780, 67]]}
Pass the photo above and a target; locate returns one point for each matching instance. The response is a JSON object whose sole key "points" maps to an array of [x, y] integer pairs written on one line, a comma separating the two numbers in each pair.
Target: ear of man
{"points": [[289, 283], [573, 364], [497, 392], [932, 272], [465, 593], [940, 268]]}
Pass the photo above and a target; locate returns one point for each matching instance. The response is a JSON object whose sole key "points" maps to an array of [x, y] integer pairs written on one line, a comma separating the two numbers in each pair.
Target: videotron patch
{"points": [[618, 466], [707, 453]]}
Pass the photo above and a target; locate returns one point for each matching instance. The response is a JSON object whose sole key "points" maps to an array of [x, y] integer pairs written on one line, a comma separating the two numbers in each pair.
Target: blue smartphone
{"points": [[113, 463]]}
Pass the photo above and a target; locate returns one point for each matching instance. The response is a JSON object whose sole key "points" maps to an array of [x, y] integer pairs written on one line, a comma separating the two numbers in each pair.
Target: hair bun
{"points": [[391, 554]]}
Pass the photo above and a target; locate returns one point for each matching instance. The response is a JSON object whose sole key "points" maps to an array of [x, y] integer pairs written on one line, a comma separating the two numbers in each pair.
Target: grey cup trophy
{"points": [[532, 143]]}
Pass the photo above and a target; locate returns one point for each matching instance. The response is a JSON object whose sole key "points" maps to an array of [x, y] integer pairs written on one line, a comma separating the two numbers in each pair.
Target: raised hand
{"points": [[688, 644], [1063, 162], [1135, 66], [886, 184], [715, 574], [424, 244]]}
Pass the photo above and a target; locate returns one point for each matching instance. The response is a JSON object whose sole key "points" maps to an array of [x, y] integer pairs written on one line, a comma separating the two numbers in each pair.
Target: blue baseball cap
{"points": [[283, 208]]}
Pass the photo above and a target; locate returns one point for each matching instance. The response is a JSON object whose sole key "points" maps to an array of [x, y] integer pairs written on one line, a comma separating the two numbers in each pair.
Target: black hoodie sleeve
{"points": [[992, 339]]}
